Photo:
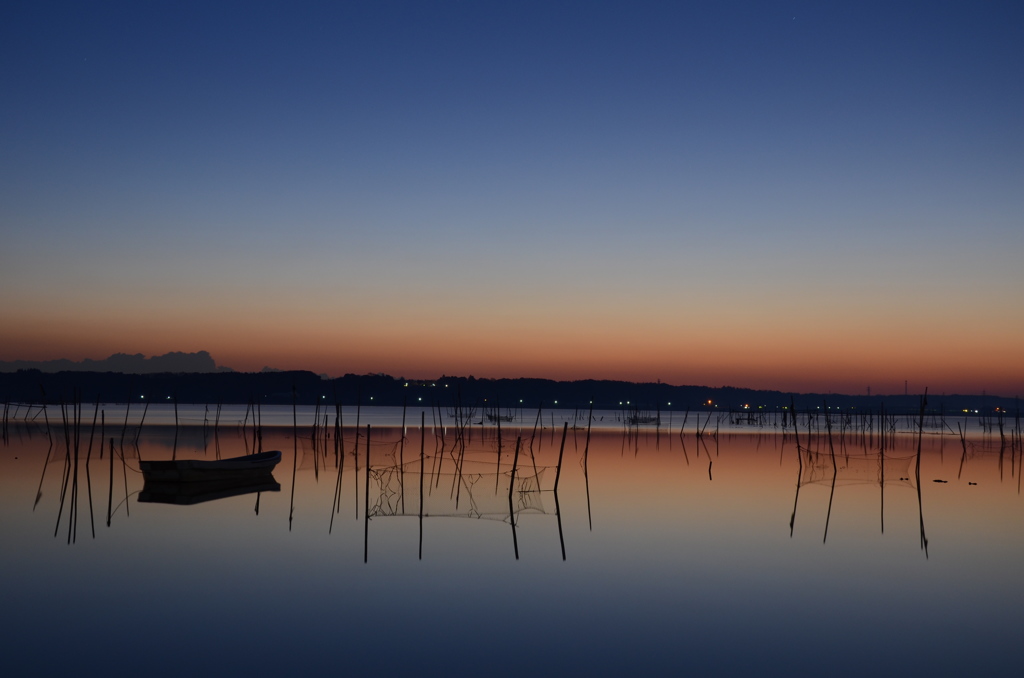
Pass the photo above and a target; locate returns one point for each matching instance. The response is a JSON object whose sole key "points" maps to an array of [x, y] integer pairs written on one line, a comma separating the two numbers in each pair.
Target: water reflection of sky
{"points": [[672, 568]]}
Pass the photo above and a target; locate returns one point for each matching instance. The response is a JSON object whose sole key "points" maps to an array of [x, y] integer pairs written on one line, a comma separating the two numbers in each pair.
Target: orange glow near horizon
{"points": [[834, 354]]}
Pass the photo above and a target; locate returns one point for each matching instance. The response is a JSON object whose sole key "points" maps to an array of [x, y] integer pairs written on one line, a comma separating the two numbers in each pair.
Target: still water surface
{"points": [[658, 554]]}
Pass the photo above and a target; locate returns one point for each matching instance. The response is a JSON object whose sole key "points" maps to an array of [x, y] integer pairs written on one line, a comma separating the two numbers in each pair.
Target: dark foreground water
{"points": [[658, 555]]}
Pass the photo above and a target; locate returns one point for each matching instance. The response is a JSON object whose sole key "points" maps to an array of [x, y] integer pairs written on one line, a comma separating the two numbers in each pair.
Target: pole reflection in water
{"points": [[658, 549]]}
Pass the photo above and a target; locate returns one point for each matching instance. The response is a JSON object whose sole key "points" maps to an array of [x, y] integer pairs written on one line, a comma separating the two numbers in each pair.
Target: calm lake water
{"points": [[659, 554]]}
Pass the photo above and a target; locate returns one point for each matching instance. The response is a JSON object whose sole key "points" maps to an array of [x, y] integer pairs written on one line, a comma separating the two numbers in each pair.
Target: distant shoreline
{"points": [[307, 388]]}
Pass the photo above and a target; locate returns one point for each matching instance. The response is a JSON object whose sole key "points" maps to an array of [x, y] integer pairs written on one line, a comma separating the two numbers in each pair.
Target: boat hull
{"points": [[198, 470]]}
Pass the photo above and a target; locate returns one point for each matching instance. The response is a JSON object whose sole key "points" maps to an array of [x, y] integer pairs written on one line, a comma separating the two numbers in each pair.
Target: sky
{"points": [[786, 195]]}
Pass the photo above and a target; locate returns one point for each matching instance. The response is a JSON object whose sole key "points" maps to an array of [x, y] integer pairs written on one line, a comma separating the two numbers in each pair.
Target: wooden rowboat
{"points": [[198, 470]]}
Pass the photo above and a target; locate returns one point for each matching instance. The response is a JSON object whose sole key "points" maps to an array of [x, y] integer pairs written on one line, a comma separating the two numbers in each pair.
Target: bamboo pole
{"points": [[366, 500], [110, 484], [558, 469], [295, 455], [401, 456], [511, 489], [423, 433]]}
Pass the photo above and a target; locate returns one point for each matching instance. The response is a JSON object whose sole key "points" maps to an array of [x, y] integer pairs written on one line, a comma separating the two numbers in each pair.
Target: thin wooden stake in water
{"points": [[295, 456], [828, 427], [535, 424], [511, 489], [366, 505], [339, 457], [88, 457], [127, 409], [881, 484], [355, 456], [558, 517], [558, 469], [586, 448], [401, 457], [110, 484], [174, 450], [799, 477], [73, 511], [423, 433], [142, 422], [124, 474], [828, 516], [835, 469], [963, 443], [515, 463], [439, 456], [497, 417], [67, 468], [586, 482], [917, 472], [46, 417]]}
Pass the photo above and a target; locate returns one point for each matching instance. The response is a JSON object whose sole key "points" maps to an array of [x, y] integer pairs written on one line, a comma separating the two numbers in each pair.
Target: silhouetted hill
{"points": [[176, 361]]}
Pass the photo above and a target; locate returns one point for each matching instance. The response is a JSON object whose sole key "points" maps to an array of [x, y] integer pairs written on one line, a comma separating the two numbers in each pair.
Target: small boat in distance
{"points": [[636, 419], [198, 470]]}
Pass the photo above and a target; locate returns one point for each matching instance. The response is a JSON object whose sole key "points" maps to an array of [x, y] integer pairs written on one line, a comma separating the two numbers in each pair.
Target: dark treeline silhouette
{"points": [[33, 386]]}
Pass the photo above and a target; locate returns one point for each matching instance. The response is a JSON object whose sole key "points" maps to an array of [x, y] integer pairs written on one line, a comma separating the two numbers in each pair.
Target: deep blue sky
{"points": [[633, 190]]}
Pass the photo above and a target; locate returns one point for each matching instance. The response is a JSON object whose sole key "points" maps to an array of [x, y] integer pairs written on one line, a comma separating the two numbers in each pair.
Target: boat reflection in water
{"points": [[186, 493]]}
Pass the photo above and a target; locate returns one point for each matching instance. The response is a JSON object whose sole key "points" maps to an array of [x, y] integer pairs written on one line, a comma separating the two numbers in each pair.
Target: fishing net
{"points": [[395, 491], [856, 469]]}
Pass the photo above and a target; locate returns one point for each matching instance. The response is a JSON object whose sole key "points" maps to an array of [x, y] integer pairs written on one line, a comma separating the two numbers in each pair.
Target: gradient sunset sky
{"points": [[808, 196]]}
